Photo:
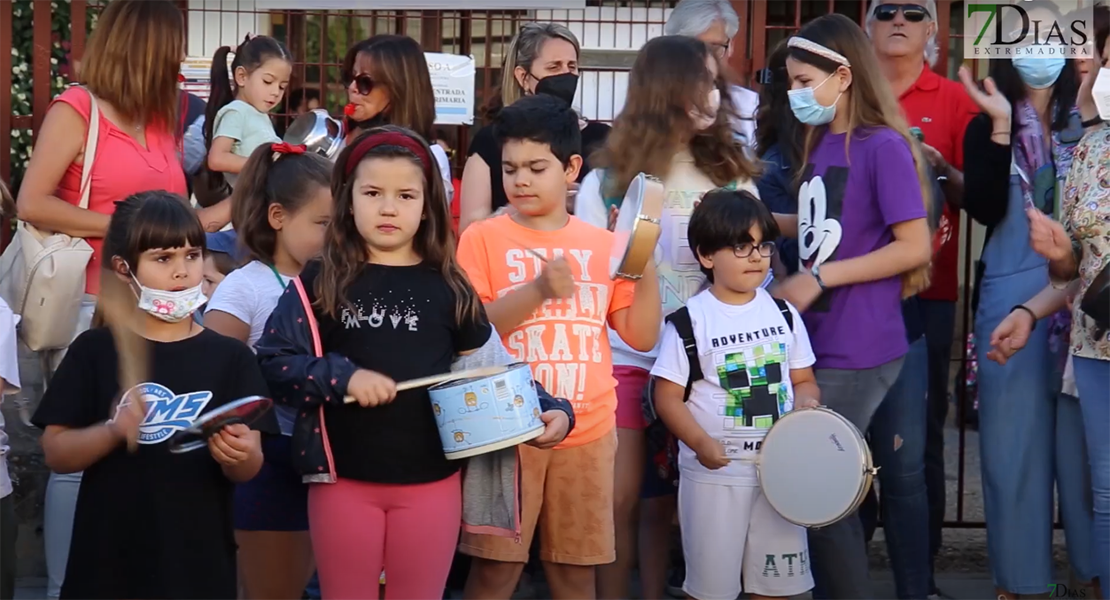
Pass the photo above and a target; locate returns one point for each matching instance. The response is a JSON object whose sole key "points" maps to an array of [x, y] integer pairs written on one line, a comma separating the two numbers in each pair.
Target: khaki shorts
{"points": [[569, 494]]}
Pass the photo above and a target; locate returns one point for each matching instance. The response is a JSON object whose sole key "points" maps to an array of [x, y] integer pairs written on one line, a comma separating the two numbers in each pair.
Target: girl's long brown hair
{"points": [[346, 251], [668, 77], [871, 103], [133, 59]]}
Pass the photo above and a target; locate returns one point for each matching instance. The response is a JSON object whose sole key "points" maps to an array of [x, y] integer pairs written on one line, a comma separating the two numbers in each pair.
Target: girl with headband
{"points": [[281, 207], [387, 302], [864, 245]]}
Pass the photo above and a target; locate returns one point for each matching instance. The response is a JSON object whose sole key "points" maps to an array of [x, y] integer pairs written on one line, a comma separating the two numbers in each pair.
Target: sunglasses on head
{"points": [[363, 83], [914, 13]]}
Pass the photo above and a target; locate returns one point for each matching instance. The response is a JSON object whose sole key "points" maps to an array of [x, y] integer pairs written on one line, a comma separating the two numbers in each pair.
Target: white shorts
{"points": [[731, 533]]}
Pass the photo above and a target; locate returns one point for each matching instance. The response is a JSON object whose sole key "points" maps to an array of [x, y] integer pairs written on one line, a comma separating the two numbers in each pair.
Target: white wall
{"points": [[215, 23], [601, 93]]}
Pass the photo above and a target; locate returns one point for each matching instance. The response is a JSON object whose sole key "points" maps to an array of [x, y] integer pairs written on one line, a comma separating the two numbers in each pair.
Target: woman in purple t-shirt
{"points": [[864, 244]]}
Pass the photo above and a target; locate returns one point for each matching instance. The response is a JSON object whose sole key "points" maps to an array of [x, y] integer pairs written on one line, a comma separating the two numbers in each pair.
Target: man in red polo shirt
{"points": [[903, 33]]}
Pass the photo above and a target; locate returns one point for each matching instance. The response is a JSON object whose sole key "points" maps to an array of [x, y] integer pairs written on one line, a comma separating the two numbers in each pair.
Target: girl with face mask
{"points": [[675, 125], [153, 250], [1024, 143], [864, 245], [541, 59]]}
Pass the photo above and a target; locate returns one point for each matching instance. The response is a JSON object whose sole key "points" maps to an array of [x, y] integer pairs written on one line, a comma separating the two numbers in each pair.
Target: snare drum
{"points": [[637, 228], [484, 414], [814, 467]]}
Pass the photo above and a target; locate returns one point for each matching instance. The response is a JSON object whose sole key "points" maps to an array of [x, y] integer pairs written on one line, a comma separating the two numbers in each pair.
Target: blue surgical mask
{"points": [[807, 109], [1037, 72]]}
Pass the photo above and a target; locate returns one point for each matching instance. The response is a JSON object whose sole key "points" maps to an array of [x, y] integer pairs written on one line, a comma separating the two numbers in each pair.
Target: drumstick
{"points": [[118, 304], [445, 377], [528, 250]]}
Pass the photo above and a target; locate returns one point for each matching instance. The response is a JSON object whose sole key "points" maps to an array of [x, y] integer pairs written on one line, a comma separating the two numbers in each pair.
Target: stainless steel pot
{"points": [[319, 132]]}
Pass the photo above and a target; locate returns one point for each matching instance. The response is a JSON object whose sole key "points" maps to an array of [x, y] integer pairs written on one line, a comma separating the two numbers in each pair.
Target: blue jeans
{"points": [[898, 445], [1092, 377], [1030, 444], [838, 552], [939, 319]]}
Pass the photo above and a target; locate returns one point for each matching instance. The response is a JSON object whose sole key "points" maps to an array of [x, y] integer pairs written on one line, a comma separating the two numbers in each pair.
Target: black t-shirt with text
{"points": [[403, 326], [153, 524], [485, 145]]}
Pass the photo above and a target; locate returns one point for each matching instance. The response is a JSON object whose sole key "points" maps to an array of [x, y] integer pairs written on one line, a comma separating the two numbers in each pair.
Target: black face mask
{"points": [[561, 86]]}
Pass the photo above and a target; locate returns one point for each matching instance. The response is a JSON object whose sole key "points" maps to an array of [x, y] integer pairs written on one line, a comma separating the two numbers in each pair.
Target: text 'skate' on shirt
{"points": [[402, 325], [153, 524]]}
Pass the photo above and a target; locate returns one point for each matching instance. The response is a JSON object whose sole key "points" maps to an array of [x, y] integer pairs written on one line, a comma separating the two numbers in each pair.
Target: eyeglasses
{"points": [[914, 13], [363, 83], [766, 249], [719, 49]]}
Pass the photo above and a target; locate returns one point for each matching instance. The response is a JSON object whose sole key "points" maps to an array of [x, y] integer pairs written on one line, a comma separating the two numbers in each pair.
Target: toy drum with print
{"points": [[484, 414]]}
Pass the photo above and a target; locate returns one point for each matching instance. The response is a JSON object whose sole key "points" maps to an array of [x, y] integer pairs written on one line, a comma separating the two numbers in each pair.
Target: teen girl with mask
{"points": [[542, 59], [676, 126], [1030, 437], [864, 244]]}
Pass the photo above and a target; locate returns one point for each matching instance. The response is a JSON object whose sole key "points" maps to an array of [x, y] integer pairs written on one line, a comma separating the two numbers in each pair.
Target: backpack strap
{"points": [[784, 308], [685, 328]]}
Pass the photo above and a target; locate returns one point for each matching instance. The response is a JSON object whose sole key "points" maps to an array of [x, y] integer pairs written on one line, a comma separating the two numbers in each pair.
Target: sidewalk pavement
{"points": [[959, 586]]}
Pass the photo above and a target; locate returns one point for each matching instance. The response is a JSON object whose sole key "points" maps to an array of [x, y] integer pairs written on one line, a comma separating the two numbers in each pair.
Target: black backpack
{"points": [[662, 446]]}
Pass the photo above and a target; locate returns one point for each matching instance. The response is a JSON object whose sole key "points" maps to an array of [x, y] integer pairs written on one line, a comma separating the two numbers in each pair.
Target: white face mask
{"points": [[703, 121], [1101, 93], [171, 307]]}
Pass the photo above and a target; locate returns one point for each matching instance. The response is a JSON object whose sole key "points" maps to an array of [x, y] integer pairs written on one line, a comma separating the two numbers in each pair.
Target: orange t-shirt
{"points": [[565, 341]]}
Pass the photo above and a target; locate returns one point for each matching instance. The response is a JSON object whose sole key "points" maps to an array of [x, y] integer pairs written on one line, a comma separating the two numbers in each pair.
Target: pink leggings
{"points": [[357, 528]]}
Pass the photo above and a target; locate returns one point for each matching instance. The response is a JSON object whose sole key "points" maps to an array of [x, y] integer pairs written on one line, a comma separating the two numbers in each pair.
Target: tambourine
{"points": [[244, 410], [637, 229]]}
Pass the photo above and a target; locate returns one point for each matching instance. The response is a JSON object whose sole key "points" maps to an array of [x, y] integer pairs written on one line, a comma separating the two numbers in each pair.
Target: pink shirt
{"points": [[121, 168]]}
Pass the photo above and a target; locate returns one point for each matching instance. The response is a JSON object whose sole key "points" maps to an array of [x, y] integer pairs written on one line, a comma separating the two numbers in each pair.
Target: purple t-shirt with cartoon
{"points": [[846, 206]]}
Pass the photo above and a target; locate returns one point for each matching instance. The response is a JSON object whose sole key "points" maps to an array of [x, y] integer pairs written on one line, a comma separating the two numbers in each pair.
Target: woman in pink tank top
{"points": [[134, 79]]}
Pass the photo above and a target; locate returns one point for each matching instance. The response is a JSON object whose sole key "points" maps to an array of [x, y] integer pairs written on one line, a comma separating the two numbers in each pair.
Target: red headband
{"points": [[388, 138]]}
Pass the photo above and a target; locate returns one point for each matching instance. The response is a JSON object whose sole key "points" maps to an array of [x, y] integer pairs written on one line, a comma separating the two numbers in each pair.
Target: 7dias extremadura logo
{"points": [[1047, 28]]}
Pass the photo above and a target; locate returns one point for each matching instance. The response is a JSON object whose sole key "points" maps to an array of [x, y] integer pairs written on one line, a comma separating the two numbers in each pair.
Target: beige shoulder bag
{"points": [[42, 274]]}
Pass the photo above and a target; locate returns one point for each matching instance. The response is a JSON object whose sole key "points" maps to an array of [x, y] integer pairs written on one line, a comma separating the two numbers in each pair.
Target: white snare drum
{"points": [[814, 467], [637, 228], [484, 414]]}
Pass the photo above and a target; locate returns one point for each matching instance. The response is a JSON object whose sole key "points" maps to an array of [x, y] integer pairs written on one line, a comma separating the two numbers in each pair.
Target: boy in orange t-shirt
{"points": [[544, 278]]}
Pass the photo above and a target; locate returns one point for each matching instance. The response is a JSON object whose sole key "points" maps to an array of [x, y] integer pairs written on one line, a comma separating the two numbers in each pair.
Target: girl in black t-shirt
{"points": [[391, 304], [149, 523]]}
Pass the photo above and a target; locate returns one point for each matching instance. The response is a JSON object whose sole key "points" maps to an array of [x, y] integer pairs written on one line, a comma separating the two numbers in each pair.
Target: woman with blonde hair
{"points": [[541, 59], [133, 79], [864, 245]]}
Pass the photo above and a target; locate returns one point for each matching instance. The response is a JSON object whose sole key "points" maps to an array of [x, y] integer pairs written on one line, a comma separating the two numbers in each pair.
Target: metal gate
{"points": [[41, 39]]}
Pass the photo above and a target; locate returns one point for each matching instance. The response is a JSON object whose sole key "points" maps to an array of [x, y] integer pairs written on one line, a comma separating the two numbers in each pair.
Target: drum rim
{"points": [[494, 446], [637, 184], [866, 465], [508, 368]]}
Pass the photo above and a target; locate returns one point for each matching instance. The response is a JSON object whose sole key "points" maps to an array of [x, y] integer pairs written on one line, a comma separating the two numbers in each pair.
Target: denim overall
{"points": [[1030, 436]]}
